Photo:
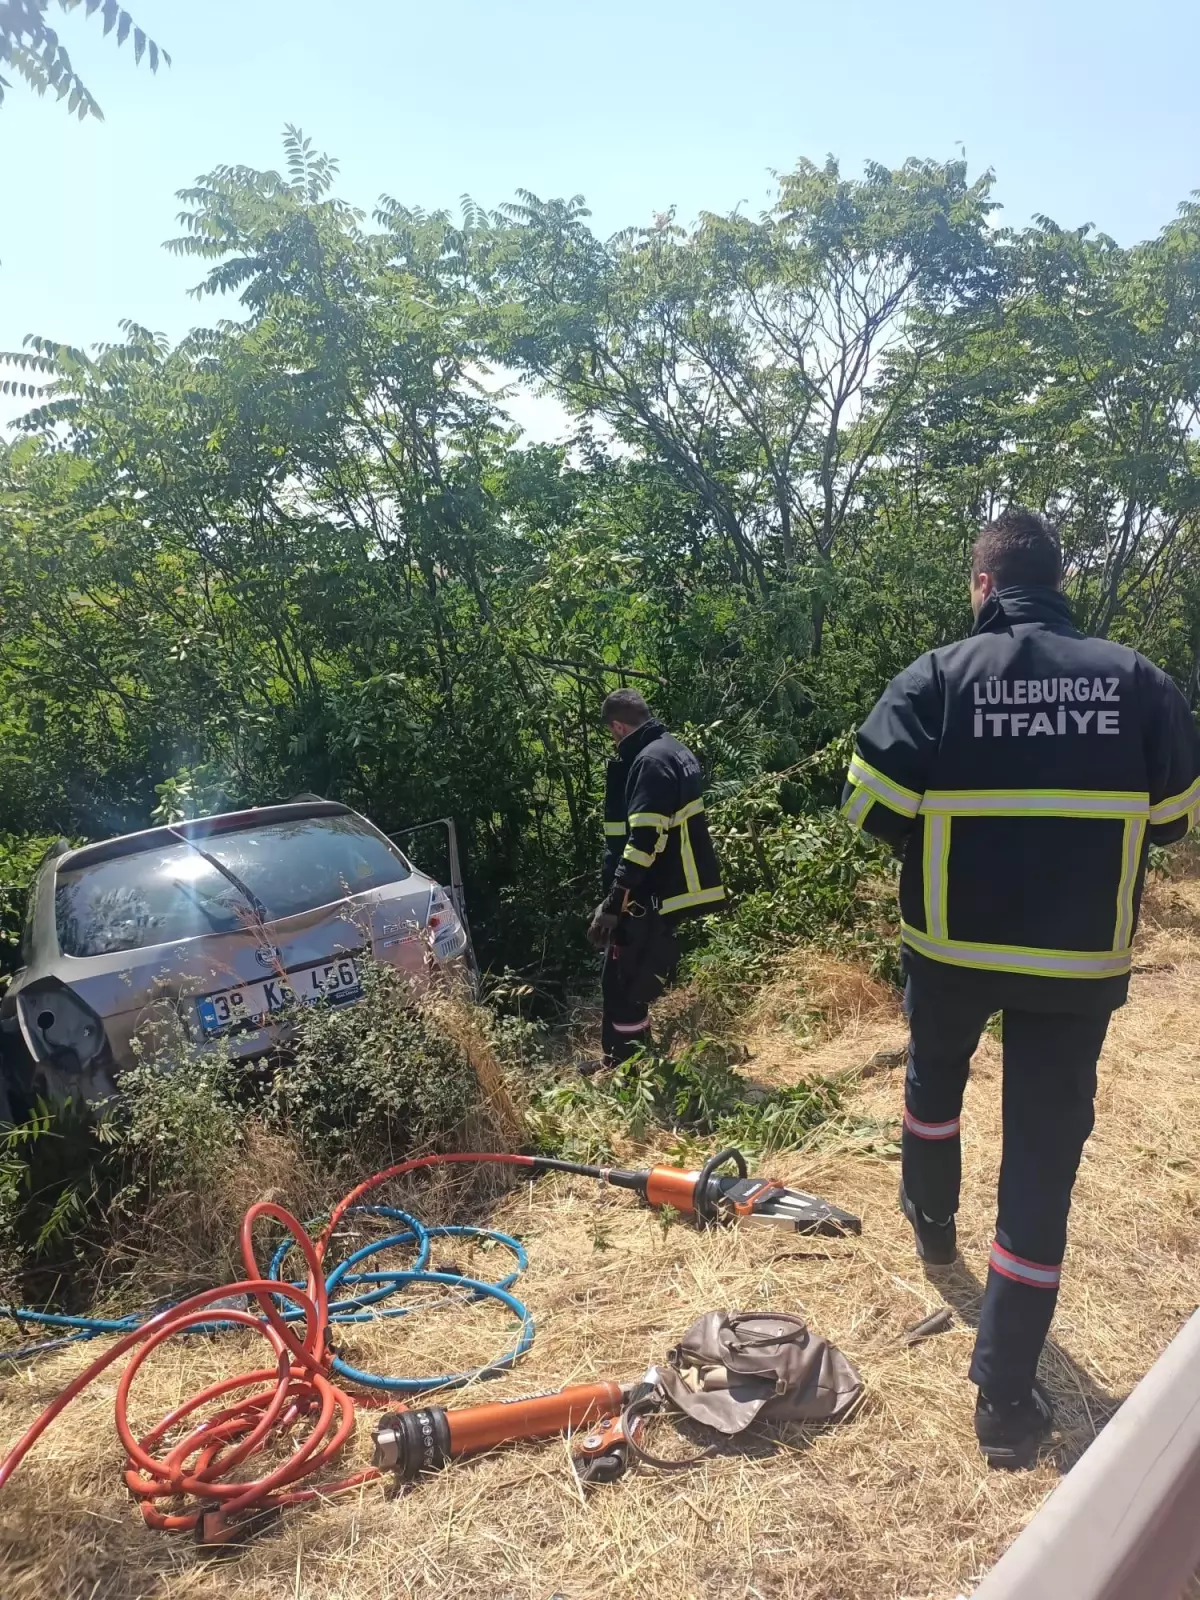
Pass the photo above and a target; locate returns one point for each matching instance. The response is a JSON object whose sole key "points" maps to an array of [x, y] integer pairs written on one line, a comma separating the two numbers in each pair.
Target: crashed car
{"points": [[219, 926]]}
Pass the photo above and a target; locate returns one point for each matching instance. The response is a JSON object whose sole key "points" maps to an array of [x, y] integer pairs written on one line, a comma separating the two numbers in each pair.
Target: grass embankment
{"points": [[894, 1503]]}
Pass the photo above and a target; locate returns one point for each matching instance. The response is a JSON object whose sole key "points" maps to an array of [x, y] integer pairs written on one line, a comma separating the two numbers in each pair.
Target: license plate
{"points": [[255, 1003]]}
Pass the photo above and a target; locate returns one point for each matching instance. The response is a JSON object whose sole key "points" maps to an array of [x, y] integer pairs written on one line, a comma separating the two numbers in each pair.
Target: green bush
{"points": [[696, 1096], [796, 872], [576, 1121], [58, 1182], [375, 1080], [72, 1174], [177, 1120], [20, 857], [368, 1084]]}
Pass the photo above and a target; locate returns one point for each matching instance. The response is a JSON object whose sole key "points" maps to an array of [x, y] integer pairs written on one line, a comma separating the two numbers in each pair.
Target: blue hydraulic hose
{"points": [[90, 1325], [450, 1380], [378, 1286]]}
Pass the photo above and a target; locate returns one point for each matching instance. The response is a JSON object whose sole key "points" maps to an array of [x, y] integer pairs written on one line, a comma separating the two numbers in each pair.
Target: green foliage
{"points": [[15, 1142], [798, 873], [31, 47], [56, 1181], [308, 550], [70, 1174], [373, 1081], [696, 1096], [366, 1084], [574, 1120], [192, 792], [20, 858], [178, 1120]]}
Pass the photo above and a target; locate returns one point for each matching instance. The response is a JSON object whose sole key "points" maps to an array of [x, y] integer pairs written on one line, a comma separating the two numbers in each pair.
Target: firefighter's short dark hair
{"points": [[1019, 550], [625, 705]]}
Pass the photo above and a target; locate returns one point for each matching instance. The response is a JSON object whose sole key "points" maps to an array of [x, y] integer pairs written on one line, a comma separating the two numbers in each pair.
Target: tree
{"points": [[756, 358], [308, 550], [1076, 388], [31, 47]]}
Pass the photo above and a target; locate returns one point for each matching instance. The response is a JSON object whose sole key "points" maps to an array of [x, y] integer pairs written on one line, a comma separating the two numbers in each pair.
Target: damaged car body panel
{"points": [[219, 926]]}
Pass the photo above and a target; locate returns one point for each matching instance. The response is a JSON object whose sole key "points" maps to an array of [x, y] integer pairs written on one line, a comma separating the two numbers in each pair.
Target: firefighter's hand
{"points": [[603, 926]]}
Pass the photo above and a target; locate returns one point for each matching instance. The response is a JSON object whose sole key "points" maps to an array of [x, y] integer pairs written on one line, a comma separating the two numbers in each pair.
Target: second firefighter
{"points": [[659, 866]]}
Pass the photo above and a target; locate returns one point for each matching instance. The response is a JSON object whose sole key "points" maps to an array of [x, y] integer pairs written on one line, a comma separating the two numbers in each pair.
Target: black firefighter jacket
{"points": [[656, 840], [1023, 773]]}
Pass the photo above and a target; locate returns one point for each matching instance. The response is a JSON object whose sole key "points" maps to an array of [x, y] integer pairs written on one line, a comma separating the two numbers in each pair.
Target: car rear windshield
{"points": [[159, 896]]}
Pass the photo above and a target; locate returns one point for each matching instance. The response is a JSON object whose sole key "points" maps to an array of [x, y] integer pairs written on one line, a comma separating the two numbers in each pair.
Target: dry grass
{"points": [[895, 1503], [819, 1013], [500, 1114]]}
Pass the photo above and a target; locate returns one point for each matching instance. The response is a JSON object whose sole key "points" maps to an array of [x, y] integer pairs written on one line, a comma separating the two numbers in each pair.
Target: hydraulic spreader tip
{"points": [[712, 1196]]}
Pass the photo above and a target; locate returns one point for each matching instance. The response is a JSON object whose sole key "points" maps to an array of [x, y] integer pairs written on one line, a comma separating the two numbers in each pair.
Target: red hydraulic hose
{"points": [[202, 1466]]}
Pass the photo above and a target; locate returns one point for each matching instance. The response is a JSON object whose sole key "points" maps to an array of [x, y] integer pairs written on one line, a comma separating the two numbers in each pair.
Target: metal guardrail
{"points": [[1124, 1524]]}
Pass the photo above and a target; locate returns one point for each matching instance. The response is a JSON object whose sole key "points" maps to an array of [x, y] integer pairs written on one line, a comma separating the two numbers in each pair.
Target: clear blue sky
{"points": [[1087, 110]]}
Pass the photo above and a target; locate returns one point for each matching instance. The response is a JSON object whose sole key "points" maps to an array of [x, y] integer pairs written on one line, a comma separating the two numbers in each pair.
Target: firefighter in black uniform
{"points": [[1022, 775], [659, 866]]}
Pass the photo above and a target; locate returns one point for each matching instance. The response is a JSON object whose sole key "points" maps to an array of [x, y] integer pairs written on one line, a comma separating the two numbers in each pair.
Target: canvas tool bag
{"points": [[733, 1368]]}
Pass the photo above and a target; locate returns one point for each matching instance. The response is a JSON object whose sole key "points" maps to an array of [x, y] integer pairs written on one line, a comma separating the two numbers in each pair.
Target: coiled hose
{"points": [[294, 1396]]}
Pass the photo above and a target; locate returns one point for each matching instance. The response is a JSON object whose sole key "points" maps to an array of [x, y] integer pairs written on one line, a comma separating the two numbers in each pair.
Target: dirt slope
{"points": [[894, 1504]]}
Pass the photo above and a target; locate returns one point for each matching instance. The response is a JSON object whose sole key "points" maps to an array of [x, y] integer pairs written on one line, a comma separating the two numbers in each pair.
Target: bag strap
{"points": [[643, 1406]]}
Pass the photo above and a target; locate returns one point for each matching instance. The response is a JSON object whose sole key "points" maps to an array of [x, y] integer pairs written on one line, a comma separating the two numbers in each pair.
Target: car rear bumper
{"points": [[166, 1029]]}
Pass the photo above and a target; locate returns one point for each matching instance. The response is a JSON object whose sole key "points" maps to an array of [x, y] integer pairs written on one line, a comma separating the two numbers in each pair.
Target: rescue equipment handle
{"points": [[705, 1203]]}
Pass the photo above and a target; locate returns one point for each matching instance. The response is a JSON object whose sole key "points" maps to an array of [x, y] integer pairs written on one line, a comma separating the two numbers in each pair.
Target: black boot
{"points": [[1009, 1432], [937, 1242]]}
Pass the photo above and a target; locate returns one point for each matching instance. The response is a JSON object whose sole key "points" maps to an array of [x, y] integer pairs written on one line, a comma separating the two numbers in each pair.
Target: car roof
{"points": [[129, 844]]}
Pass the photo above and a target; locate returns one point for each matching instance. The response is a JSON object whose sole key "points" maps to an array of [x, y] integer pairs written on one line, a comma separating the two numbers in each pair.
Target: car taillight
{"points": [[58, 1026], [441, 911], [445, 927]]}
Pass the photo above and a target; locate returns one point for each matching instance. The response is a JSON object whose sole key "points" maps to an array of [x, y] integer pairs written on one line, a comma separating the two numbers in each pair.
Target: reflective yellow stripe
{"points": [[641, 858], [1020, 958], [690, 875], [703, 897], [660, 821], [1176, 805], [1098, 794], [906, 801], [1036, 803], [856, 808], [1131, 856], [692, 809], [614, 830], [649, 819], [936, 870]]}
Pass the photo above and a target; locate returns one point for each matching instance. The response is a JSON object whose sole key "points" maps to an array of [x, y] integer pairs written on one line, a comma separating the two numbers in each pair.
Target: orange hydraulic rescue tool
{"points": [[408, 1443], [411, 1442], [710, 1198]]}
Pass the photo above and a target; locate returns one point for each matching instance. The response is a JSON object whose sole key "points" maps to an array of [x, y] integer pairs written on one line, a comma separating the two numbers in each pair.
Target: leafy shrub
{"points": [[575, 1120], [177, 1119], [781, 1119], [71, 1173], [369, 1083], [374, 1080], [796, 872], [57, 1181], [20, 857], [696, 1096]]}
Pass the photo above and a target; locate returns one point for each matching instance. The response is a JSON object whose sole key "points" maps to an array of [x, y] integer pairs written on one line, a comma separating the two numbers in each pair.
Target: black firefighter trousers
{"points": [[1048, 1095], [639, 963]]}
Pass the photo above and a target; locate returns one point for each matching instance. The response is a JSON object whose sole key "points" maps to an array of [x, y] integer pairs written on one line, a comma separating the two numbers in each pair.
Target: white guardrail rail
{"points": [[1124, 1524]]}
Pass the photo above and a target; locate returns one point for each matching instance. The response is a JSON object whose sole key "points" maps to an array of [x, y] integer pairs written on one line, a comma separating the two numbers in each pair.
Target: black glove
{"points": [[603, 926]]}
